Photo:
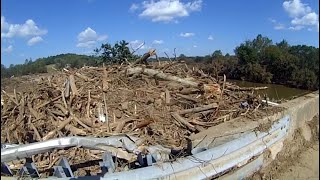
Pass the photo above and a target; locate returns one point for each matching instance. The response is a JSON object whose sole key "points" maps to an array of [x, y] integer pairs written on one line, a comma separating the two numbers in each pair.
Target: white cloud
{"points": [[102, 38], [133, 7], [168, 10], [34, 40], [186, 34], [279, 26], [210, 38], [88, 44], [29, 28], [9, 49], [295, 8], [301, 14], [272, 20], [157, 42], [296, 28], [4, 24], [87, 35], [88, 38], [195, 46], [308, 19]]}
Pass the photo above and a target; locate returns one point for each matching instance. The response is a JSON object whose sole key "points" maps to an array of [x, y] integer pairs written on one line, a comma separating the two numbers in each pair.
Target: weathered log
{"points": [[161, 75], [212, 88], [144, 57]]}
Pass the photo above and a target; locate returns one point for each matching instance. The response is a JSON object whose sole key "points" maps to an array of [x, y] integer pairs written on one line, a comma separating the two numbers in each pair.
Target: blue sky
{"points": [[35, 28]]}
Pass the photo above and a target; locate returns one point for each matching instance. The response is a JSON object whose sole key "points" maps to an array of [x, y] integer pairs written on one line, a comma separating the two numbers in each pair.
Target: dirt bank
{"points": [[298, 160]]}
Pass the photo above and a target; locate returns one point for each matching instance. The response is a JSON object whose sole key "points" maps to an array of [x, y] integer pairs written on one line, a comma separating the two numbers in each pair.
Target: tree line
{"points": [[257, 60], [42, 65], [260, 60]]}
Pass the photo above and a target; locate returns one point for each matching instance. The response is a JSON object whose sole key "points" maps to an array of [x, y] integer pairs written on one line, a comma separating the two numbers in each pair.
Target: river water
{"points": [[274, 91]]}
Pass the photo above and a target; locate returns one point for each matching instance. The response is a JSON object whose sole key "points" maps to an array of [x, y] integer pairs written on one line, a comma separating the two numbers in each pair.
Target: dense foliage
{"points": [[116, 54], [259, 60]]}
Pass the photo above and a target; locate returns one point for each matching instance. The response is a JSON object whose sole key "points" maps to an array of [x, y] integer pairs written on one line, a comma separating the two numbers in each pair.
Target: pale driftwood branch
{"points": [[167, 56], [247, 88], [48, 102], [144, 57], [180, 119], [60, 127], [133, 51], [224, 84], [88, 104], [12, 99], [188, 98], [64, 110], [73, 85], [199, 109], [35, 130], [168, 96], [67, 88], [74, 130], [85, 78], [170, 65]]}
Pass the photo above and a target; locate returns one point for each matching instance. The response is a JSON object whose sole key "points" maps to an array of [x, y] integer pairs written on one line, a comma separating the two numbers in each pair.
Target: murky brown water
{"points": [[274, 91]]}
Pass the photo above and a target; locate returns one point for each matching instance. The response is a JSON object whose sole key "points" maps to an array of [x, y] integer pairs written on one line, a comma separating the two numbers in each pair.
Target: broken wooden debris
{"points": [[105, 101]]}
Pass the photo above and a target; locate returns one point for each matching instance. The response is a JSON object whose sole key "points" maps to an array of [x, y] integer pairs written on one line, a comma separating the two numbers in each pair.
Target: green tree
{"points": [[118, 53], [217, 54]]}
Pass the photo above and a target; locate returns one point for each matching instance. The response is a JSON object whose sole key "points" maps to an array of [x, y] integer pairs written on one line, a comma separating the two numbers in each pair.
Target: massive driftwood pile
{"points": [[162, 104]]}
